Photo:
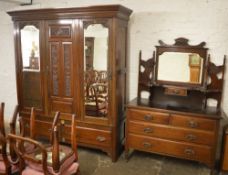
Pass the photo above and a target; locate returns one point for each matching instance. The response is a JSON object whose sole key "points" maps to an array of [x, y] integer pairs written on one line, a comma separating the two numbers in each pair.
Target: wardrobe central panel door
{"points": [[60, 50]]}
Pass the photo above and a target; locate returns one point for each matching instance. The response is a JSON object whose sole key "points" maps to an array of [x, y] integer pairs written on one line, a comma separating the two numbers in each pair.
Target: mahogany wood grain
{"points": [[148, 116], [224, 162], [175, 119], [173, 133], [185, 150], [174, 136], [189, 122], [61, 76], [94, 136]]}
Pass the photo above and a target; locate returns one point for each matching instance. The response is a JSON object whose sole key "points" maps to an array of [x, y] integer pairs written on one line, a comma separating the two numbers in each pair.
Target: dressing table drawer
{"points": [[172, 133], [193, 122], [148, 116], [167, 147]]}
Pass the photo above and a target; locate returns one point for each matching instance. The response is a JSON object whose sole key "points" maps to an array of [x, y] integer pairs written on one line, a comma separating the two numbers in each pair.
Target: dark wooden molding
{"points": [[29, 23], [214, 83], [83, 12], [145, 79], [183, 42], [103, 22]]}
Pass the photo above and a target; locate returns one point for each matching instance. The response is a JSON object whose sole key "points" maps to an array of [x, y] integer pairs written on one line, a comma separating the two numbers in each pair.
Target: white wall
{"points": [[7, 64], [204, 20]]}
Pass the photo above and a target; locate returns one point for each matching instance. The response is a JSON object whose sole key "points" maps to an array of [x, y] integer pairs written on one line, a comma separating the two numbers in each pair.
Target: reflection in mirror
{"points": [[180, 67], [95, 68], [31, 79], [30, 48]]}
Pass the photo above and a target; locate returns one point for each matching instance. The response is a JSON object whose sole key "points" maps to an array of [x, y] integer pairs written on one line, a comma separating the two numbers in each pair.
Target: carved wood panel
{"points": [[146, 74], [54, 56], [67, 56], [215, 81], [60, 31]]}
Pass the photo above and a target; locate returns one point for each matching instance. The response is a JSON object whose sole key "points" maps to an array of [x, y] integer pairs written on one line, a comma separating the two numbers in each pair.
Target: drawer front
{"points": [[176, 149], [225, 154], [170, 132], [148, 116], [193, 122], [93, 136]]}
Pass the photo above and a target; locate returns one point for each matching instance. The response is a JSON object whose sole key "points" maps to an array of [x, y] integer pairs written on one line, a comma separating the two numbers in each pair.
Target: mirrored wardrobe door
{"points": [[96, 70], [30, 69]]}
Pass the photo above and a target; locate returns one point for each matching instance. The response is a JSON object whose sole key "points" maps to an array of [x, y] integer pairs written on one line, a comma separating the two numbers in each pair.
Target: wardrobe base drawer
{"points": [[167, 147], [93, 136]]}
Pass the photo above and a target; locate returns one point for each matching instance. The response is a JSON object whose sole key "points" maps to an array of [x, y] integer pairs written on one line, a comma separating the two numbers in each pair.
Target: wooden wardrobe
{"points": [[73, 60]]}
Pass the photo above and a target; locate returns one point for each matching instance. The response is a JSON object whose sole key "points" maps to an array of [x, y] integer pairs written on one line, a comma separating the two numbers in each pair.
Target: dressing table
{"points": [[177, 111]]}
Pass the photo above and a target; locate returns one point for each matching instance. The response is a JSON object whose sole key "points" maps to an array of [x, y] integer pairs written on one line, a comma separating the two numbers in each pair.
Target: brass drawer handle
{"points": [[63, 139], [189, 151], [27, 125], [100, 139], [148, 117], [147, 145], [148, 130], [191, 137], [176, 91], [193, 124]]}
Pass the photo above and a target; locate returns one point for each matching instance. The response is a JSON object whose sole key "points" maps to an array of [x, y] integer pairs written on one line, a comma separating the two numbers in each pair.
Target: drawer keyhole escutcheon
{"points": [[100, 139], [147, 145], [148, 117], [193, 124], [189, 151], [191, 137], [27, 125], [148, 130]]}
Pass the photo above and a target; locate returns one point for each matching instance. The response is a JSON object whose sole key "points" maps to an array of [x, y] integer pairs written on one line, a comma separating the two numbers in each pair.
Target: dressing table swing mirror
{"points": [[180, 115]]}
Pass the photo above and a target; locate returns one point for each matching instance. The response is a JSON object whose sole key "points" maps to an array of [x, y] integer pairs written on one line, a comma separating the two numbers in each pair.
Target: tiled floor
{"points": [[97, 163]]}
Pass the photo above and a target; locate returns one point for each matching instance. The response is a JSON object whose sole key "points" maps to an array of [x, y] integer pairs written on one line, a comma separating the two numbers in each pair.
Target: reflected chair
{"points": [[8, 159], [54, 159], [95, 102], [102, 77]]}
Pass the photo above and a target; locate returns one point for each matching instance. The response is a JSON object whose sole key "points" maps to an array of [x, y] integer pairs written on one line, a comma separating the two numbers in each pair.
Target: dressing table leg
{"points": [[126, 152]]}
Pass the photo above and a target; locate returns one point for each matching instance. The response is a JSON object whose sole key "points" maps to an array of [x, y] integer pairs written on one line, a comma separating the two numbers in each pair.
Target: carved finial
{"points": [[182, 42], [140, 55]]}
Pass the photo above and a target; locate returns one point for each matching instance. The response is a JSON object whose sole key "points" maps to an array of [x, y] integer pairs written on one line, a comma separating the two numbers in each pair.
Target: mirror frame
{"points": [[19, 69], [105, 23], [181, 45]]}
